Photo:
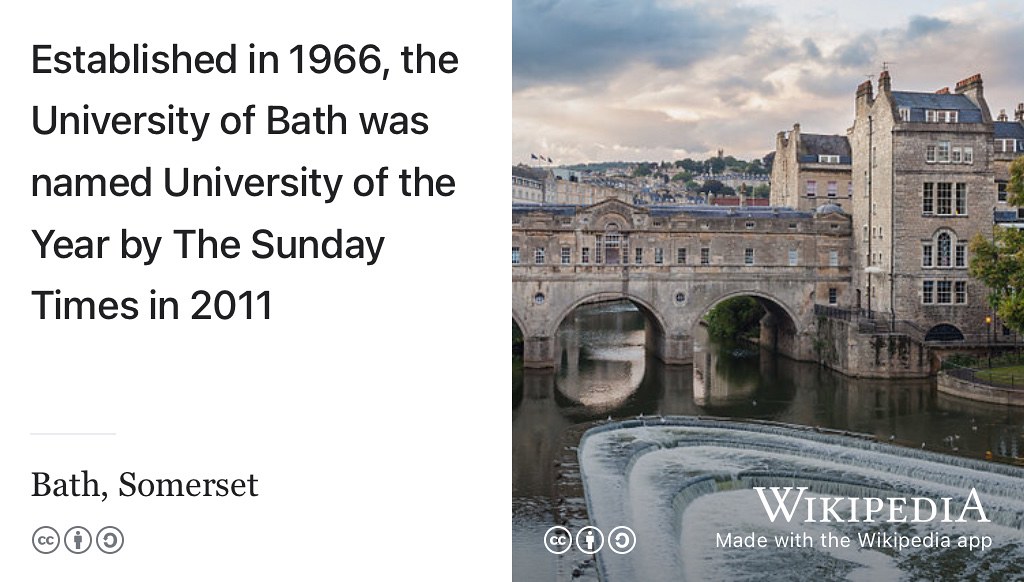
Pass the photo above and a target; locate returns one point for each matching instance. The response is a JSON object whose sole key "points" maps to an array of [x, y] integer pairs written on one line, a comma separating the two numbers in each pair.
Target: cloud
{"points": [[858, 52], [925, 25], [652, 80], [574, 41], [811, 49]]}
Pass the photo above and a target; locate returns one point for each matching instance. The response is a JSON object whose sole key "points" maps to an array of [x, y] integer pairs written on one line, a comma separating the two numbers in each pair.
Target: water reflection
{"points": [[604, 372], [602, 359]]}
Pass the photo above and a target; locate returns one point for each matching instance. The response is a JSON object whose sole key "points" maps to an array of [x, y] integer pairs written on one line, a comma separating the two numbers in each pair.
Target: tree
{"points": [[683, 176], [762, 191], [735, 317], [999, 263], [713, 186], [716, 165], [691, 165]]}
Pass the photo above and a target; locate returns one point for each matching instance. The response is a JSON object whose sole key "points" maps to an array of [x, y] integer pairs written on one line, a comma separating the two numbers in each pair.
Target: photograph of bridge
{"points": [[683, 248]]}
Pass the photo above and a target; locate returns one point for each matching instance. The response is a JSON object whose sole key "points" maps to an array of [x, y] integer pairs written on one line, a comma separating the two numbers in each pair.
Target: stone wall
{"points": [[963, 388], [840, 345]]}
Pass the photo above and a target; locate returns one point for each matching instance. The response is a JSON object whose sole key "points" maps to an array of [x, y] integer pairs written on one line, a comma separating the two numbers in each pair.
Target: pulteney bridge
{"points": [[674, 264]]}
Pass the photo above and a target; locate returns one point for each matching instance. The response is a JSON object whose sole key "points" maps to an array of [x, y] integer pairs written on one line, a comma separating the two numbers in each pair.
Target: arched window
{"points": [[612, 244], [944, 333], [945, 250]]}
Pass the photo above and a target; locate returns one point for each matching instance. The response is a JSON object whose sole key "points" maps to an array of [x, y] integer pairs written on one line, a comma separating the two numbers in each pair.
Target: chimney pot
{"points": [[969, 81], [884, 81]]}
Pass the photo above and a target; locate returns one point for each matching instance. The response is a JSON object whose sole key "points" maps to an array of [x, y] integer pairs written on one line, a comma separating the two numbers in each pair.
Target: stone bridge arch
{"points": [[649, 311], [672, 306], [519, 321], [675, 263], [784, 328], [770, 301]]}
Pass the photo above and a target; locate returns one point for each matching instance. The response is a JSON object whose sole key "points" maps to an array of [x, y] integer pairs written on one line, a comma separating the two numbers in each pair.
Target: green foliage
{"points": [[999, 263], [736, 317], [717, 165], [683, 176], [1016, 185], [762, 191], [713, 186]]}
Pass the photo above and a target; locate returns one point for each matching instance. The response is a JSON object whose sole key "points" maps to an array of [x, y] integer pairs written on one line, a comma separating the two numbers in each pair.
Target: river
{"points": [[605, 373]]}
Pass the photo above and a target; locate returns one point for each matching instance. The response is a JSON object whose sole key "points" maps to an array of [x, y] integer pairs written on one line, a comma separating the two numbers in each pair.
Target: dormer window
{"points": [[1006, 146], [904, 114], [828, 159], [940, 115]]}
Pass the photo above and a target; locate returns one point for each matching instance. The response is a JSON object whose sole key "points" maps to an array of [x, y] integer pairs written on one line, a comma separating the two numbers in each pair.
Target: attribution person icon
{"points": [[77, 540], [589, 540]]}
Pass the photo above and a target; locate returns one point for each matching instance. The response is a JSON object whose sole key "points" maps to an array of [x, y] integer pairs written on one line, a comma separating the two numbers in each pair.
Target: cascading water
{"points": [[681, 483]]}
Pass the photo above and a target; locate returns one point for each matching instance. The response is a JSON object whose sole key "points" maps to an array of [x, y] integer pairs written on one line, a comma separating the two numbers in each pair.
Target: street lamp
{"points": [[988, 322]]}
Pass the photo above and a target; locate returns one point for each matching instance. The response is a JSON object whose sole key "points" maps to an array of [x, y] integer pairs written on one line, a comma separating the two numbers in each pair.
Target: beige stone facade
{"points": [[923, 184], [810, 170], [1008, 144], [675, 264]]}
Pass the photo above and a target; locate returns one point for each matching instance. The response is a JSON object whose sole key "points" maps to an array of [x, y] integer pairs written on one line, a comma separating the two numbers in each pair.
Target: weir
{"points": [[677, 482]]}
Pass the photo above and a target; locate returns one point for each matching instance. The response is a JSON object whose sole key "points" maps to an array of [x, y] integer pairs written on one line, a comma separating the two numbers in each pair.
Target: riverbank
{"points": [[957, 384]]}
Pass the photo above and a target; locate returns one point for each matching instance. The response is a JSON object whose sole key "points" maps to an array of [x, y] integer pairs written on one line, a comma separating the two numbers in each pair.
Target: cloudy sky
{"points": [[603, 80]]}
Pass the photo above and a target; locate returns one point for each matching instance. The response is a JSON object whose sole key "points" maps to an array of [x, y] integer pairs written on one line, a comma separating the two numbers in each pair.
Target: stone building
{"points": [[1008, 144], [529, 185], [923, 185], [811, 169], [545, 186]]}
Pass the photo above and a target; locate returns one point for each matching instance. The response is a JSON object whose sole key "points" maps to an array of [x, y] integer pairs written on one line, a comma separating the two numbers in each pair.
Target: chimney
{"points": [[943, 91], [971, 87], [884, 82], [864, 89], [1018, 115], [969, 83], [1002, 116], [780, 140], [865, 97]]}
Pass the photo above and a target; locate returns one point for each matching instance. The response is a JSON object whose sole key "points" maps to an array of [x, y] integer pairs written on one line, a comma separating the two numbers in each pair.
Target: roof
{"points": [[1009, 129], [829, 209], [919, 102], [815, 144], [529, 173], [697, 211], [556, 209]]}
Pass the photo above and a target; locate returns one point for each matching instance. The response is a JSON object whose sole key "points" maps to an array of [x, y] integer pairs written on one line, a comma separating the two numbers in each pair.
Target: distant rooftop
{"points": [[529, 173], [1009, 129], [703, 210], [824, 145], [919, 102]]}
